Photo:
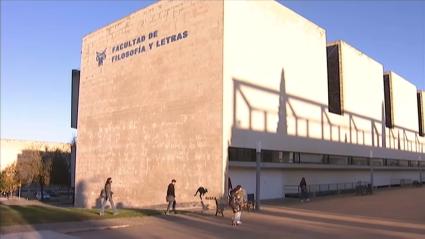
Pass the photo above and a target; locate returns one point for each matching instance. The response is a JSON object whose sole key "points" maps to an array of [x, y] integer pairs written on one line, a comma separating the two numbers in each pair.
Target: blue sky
{"points": [[41, 43]]}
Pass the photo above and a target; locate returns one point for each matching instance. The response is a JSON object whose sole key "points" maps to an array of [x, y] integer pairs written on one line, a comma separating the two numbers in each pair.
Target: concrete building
{"points": [[189, 90], [12, 149]]}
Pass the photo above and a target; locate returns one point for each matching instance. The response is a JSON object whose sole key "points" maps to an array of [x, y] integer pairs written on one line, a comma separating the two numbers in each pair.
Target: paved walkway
{"points": [[272, 222], [37, 235], [395, 213]]}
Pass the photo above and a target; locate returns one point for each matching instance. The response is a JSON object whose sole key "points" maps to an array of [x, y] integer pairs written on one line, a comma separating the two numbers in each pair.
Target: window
{"points": [[339, 160], [311, 158], [388, 101], [377, 162], [242, 154], [266, 156], [392, 162], [334, 79], [277, 156], [421, 114], [403, 163], [75, 90], [297, 157], [414, 163], [359, 161]]}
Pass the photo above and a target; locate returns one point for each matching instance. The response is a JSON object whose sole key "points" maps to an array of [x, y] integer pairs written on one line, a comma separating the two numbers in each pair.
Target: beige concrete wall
{"points": [[363, 100], [273, 181], [404, 136], [11, 149], [156, 115], [275, 88], [274, 62], [404, 102]]}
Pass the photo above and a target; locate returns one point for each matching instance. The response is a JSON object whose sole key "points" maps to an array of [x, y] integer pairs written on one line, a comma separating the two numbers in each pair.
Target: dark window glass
{"points": [[392, 162], [339, 160], [334, 79], [403, 163], [242, 154], [388, 102], [267, 156], [414, 163], [377, 162], [420, 114], [311, 158], [75, 91], [359, 161], [297, 157]]}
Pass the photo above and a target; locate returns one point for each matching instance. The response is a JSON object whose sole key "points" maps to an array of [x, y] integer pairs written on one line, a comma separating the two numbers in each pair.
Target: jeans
{"points": [[103, 204], [171, 204], [237, 216], [304, 194]]}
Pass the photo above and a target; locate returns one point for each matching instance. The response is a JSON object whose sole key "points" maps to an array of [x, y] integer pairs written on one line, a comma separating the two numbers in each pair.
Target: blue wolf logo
{"points": [[100, 57]]}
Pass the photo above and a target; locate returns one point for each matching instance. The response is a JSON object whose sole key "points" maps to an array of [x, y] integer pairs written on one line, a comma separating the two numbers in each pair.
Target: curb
{"points": [[100, 228]]}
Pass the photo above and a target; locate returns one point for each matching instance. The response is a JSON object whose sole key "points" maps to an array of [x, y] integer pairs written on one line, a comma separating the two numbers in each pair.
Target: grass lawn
{"points": [[33, 214]]}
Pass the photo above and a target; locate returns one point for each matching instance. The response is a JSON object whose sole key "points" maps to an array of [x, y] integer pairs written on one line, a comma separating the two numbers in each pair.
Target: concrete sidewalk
{"points": [[395, 213], [77, 226], [37, 235], [61, 229]]}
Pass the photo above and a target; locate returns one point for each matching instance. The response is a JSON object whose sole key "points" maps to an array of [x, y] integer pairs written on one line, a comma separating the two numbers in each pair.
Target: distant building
{"points": [[12, 149], [190, 89]]}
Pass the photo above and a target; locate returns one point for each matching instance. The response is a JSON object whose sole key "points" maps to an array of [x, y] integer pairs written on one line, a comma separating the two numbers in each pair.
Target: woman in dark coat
{"points": [[304, 192]]}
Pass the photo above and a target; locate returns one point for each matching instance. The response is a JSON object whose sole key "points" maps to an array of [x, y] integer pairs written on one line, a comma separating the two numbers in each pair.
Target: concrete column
{"points": [[420, 169], [258, 178]]}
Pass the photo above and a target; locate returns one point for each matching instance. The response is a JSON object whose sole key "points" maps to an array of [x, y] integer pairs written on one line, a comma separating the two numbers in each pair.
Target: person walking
{"points": [[236, 203], [304, 192], [171, 197], [106, 195]]}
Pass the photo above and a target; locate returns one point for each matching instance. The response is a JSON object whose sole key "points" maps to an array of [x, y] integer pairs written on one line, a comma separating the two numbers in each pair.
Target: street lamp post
{"points": [[371, 168], [257, 174], [420, 169]]}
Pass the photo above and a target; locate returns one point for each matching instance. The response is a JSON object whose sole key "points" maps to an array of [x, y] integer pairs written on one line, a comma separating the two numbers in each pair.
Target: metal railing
{"points": [[359, 187], [324, 189]]}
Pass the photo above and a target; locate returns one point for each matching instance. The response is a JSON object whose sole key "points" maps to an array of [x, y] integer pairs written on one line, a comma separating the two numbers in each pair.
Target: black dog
{"points": [[201, 190]]}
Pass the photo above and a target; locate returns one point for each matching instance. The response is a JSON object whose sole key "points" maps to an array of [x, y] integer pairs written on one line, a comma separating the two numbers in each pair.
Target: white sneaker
{"points": [[308, 200], [238, 223]]}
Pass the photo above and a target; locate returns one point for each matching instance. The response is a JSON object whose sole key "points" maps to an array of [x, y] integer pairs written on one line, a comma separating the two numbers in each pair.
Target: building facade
{"points": [[189, 90], [11, 150]]}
